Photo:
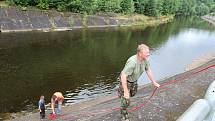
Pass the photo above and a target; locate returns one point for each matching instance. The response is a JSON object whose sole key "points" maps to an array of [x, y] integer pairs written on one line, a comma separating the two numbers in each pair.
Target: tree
{"points": [[147, 7], [170, 6], [83, 6], [127, 6], [186, 7], [43, 4], [109, 5], [140, 6], [153, 8], [202, 9]]}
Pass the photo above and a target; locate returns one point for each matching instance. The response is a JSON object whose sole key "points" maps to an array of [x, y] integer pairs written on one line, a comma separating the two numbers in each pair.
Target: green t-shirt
{"points": [[134, 68]]}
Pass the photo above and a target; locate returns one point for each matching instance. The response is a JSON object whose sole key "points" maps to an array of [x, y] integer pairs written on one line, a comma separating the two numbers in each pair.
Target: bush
{"points": [[22, 2], [43, 4], [10, 2], [140, 6], [89, 6], [202, 10], [74, 5], [170, 6], [61, 7], [82, 6], [127, 6], [146, 7], [109, 5], [153, 8]]}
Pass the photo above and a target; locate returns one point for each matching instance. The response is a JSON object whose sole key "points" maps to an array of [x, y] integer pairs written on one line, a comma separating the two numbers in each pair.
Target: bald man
{"points": [[57, 98], [134, 67]]}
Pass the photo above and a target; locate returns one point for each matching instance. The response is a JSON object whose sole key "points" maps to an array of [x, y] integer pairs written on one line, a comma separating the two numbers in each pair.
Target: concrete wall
{"points": [[15, 19]]}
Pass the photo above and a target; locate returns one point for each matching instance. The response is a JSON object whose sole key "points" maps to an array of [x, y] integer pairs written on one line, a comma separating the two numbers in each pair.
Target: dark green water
{"points": [[84, 64]]}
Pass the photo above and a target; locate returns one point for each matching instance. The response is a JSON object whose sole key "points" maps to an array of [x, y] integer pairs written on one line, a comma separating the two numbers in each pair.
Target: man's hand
{"points": [[149, 73], [126, 95], [53, 112], [156, 84]]}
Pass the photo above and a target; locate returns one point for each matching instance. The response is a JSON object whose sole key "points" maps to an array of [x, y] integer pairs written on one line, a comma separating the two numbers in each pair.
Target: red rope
{"points": [[142, 104]]}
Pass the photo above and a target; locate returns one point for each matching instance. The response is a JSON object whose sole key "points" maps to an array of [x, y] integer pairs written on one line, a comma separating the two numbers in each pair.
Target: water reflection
{"points": [[180, 50], [85, 63]]}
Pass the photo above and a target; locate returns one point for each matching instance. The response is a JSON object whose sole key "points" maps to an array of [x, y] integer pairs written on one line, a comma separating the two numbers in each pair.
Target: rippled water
{"points": [[84, 64]]}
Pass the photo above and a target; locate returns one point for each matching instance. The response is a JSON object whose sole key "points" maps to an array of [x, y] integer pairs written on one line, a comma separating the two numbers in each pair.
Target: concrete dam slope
{"points": [[167, 103]]}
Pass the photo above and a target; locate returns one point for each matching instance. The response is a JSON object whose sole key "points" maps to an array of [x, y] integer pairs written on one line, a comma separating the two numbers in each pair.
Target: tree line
{"points": [[146, 7]]}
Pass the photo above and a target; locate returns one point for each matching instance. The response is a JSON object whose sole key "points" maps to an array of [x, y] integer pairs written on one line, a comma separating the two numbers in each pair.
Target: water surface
{"points": [[84, 64]]}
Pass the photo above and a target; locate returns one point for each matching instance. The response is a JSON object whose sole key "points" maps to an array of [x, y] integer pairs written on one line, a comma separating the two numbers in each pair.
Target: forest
{"points": [[146, 7]]}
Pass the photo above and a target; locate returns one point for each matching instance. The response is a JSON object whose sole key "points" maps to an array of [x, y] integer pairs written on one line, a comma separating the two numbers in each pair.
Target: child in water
{"points": [[42, 108]]}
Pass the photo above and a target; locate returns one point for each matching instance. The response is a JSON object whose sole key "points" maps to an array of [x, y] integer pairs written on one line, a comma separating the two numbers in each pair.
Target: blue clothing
{"points": [[59, 108], [42, 107], [41, 104]]}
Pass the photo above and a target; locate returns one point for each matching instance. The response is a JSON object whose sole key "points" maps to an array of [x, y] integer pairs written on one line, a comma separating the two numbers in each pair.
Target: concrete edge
{"points": [[208, 20]]}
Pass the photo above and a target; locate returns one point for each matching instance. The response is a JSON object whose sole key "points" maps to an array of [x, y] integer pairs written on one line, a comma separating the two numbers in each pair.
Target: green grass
{"points": [[3, 3]]}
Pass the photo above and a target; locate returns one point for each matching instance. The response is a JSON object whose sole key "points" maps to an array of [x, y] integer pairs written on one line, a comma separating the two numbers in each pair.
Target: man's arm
{"points": [[52, 107], [39, 107], [151, 77], [124, 85]]}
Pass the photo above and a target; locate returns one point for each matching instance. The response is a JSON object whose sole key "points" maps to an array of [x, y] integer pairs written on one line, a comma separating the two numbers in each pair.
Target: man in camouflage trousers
{"points": [[133, 69]]}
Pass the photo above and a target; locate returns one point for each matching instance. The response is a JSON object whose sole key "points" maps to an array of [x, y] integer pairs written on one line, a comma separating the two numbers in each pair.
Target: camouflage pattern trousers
{"points": [[132, 88]]}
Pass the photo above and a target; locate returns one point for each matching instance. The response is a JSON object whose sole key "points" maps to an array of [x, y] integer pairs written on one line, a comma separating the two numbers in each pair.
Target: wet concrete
{"points": [[13, 19], [200, 61], [176, 94], [210, 19]]}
